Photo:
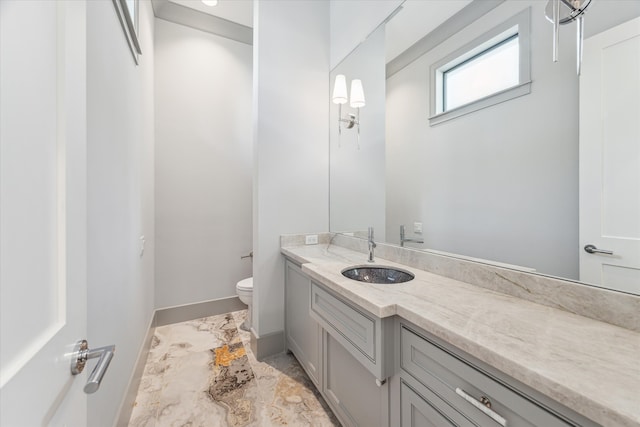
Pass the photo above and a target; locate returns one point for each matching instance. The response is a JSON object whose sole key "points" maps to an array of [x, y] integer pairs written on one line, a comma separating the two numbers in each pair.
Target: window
{"points": [[492, 69]]}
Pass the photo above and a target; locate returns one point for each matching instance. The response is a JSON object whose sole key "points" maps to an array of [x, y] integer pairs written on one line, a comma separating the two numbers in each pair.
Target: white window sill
{"points": [[488, 101]]}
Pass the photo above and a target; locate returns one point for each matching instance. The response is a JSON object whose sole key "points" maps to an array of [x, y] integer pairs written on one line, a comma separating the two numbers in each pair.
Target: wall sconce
{"points": [[357, 101]]}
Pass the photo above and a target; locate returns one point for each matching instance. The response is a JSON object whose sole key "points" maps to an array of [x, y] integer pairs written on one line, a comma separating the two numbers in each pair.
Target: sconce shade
{"points": [[340, 90], [357, 94], [210, 2]]}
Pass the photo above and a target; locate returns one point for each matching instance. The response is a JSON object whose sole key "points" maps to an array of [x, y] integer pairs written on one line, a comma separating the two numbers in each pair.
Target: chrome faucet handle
{"points": [[372, 244]]}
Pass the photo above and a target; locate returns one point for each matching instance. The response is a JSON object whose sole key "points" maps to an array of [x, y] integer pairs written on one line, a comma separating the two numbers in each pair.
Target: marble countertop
{"points": [[589, 366]]}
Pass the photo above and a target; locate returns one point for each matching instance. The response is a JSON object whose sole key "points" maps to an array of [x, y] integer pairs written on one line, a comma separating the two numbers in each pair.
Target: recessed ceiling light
{"points": [[210, 2]]}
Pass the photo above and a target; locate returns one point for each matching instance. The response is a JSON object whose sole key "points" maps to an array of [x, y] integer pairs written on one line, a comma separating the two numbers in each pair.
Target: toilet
{"points": [[244, 289]]}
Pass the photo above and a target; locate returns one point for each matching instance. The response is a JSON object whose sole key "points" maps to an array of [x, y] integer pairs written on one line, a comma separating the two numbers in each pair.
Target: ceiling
{"points": [[417, 19], [238, 11]]}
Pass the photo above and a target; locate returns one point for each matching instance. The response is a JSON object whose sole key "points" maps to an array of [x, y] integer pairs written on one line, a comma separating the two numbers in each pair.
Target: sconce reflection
{"points": [[357, 101]]}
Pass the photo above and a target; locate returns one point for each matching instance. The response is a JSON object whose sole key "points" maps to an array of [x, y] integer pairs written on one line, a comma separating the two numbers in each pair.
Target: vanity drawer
{"points": [[449, 377], [356, 328]]}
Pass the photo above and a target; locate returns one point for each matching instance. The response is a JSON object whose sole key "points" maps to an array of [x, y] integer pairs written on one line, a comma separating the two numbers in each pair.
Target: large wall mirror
{"points": [[513, 182]]}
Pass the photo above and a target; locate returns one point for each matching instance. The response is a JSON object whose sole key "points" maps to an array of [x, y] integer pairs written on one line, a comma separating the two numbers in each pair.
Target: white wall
{"points": [[352, 21], [357, 177], [120, 198], [291, 105], [500, 183], [203, 164]]}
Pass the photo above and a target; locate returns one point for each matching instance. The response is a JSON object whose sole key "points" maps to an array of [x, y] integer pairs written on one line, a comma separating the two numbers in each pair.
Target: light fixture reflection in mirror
{"points": [[357, 101], [572, 11]]}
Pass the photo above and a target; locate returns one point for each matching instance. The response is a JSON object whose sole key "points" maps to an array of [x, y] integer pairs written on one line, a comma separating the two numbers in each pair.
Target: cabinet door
{"points": [[303, 336], [351, 389], [417, 412], [427, 410]]}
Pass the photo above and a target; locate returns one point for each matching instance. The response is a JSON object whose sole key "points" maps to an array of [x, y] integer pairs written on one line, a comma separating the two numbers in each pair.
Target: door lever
{"points": [[79, 358], [593, 250]]}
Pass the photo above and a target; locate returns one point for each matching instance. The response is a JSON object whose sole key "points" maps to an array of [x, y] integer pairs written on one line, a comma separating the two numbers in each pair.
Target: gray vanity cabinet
{"points": [[350, 389], [302, 331], [361, 333], [340, 349], [381, 372], [438, 383]]}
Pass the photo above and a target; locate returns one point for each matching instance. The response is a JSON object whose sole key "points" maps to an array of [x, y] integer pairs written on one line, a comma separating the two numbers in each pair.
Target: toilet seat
{"points": [[245, 284]]}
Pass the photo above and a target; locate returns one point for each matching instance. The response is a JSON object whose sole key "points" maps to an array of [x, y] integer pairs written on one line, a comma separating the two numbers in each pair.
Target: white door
{"points": [[42, 211], [610, 158]]}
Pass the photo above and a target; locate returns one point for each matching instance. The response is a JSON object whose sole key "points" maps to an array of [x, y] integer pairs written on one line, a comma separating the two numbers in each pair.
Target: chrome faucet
{"points": [[402, 238], [372, 244]]}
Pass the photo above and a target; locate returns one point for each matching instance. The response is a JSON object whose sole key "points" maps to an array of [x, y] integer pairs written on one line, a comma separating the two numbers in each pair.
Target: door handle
{"points": [[593, 250], [79, 358]]}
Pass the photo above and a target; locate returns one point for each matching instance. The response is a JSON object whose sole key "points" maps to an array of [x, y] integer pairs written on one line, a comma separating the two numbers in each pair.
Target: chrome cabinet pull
{"points": [[593, 250], [484, 405], [79, 358]]}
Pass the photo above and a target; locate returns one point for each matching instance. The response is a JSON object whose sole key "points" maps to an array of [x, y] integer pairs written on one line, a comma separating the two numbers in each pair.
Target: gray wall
{"points": [[203, 164], [290, 116], [120, 197], [500, 183], [357, 197]]}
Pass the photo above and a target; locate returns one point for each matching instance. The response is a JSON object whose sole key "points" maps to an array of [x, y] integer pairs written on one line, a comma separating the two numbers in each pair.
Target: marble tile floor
{"points": [[202, 373]]}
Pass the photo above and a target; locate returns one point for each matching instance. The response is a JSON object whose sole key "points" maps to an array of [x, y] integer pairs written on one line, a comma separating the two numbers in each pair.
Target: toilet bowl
{"points": [[244, 289]]}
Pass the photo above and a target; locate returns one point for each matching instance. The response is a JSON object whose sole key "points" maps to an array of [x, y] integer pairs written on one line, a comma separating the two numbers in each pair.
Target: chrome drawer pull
{"points": [[484, 406]]}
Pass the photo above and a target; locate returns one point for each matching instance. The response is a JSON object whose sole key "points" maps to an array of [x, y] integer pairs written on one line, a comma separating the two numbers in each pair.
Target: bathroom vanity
{"points": [[338, 346], [436, 351]]}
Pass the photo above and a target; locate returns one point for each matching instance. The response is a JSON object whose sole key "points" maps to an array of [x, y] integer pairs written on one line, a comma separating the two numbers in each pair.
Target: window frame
{"points": [[519, 25], [127, 11]]}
